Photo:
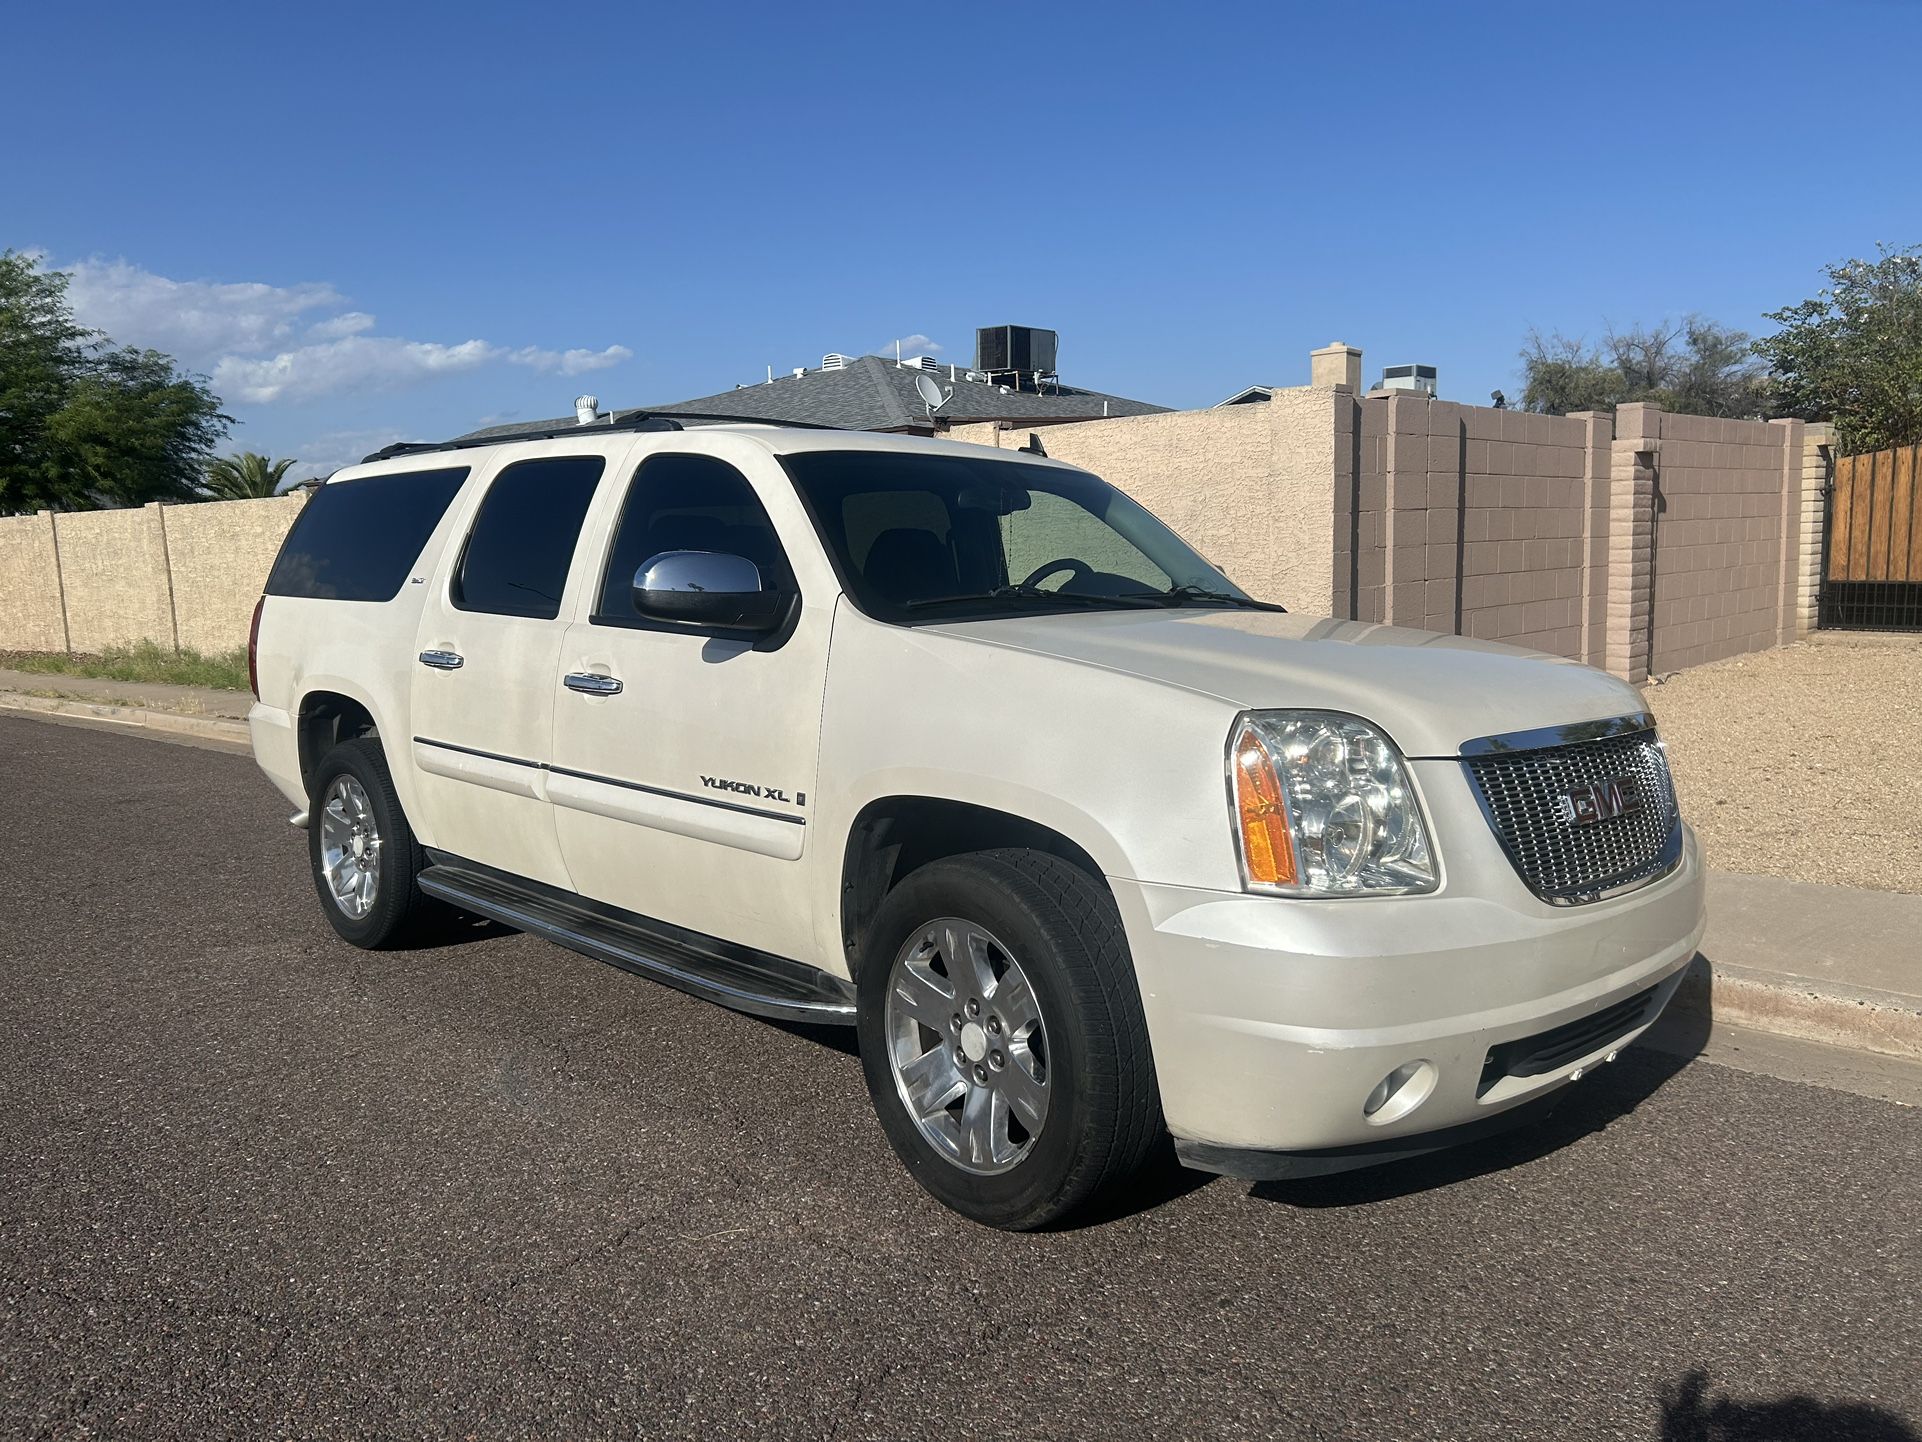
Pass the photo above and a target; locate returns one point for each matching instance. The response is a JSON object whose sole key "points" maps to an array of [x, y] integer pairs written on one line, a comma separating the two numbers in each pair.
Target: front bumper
{"points": [[1273, 1019]]}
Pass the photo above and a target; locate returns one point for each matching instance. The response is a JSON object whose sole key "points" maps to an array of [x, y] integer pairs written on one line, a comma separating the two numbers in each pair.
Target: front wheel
{"points": [[1003, 1040]]}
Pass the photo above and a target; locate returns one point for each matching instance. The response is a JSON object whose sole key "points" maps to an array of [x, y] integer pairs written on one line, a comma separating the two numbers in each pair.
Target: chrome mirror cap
{"points": [[710, 572], [707, 588]]}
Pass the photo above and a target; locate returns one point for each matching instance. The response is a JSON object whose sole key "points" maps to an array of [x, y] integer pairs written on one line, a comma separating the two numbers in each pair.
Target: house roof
{"points": [[874, 394]]}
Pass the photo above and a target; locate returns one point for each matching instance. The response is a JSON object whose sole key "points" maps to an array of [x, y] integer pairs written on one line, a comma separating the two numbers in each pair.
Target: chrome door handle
{"points": [[442, 660], [589, 684]]}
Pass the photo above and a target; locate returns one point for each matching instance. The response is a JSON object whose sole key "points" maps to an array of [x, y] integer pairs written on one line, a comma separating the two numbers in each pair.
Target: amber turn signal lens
{"points": [[1266, 847]]}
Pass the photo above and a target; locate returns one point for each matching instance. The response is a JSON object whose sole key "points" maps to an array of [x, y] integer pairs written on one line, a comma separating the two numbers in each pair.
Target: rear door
{"points": [[487, 654], [685, 794]]}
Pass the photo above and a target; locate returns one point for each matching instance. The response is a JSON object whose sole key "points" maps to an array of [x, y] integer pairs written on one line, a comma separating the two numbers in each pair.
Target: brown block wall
{"points": [[1716, 576], [219, 553], [30, 613]]}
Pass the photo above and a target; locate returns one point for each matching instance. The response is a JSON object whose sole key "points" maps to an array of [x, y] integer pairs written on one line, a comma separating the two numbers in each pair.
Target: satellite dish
{"points": [[932, 394]]}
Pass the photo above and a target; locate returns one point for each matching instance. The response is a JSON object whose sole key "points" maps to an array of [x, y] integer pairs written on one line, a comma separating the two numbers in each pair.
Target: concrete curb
{"points": [[165, 723], [1856, 1018]]}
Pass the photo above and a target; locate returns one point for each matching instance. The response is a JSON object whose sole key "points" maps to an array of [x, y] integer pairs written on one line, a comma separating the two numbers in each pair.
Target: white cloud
{"points": [[348, 322], [196, 320], [916, 344], [570, 362], [266, 343], [352, 363]]}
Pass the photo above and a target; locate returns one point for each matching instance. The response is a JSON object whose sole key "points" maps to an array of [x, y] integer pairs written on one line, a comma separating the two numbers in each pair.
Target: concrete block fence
{"points": [[180, 576], [1641, 542]]}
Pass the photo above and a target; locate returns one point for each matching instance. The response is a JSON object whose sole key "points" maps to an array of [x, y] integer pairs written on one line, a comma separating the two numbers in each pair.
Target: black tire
{"points": [[1104, 1115], [399, 907]]}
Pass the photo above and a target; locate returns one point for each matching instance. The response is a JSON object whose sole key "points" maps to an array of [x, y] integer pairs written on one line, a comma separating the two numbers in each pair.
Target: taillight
{"points": [[253, 649]]}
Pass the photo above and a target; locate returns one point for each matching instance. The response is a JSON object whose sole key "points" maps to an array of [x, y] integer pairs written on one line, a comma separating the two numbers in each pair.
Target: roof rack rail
{"points": [[628, 421]]}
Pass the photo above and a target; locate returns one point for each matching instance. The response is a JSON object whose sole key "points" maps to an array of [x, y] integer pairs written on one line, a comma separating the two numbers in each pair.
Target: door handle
{"points": [[442, 660], [590, 684]]}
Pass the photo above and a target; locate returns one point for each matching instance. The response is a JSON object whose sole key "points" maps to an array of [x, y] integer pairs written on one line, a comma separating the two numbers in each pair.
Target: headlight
{"points": [[1323, 807]]}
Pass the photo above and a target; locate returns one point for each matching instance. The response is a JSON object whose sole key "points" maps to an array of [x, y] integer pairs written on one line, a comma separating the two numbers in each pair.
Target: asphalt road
{"points": [[255, 1183]]}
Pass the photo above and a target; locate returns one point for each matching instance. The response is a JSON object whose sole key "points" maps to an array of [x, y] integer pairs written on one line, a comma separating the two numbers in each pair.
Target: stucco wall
{"points": [[1250, 487], [174, 575], [113, 572], [220, 553], [29, 585]]}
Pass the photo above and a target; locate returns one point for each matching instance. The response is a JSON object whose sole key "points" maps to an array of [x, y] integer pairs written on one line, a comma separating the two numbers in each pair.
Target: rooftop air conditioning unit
{"points": [[835, 361], [1021, 349], [1409, 378]]}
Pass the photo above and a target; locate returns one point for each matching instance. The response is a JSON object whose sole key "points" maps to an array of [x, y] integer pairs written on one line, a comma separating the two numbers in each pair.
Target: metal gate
{"points": [[1872, 543]]}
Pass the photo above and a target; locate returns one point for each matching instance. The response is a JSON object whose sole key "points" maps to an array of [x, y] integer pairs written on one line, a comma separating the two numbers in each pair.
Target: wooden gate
{"points": [[1872, 544]]}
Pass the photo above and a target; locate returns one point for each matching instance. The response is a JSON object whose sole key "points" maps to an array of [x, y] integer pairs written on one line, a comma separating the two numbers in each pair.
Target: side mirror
{"points": [[707, 588]]}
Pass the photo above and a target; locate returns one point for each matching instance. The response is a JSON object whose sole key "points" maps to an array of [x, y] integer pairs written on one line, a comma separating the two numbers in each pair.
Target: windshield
{"points": [[921, 538]]}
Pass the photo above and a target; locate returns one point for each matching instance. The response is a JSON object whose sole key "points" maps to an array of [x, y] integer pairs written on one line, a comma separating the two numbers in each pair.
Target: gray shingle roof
{"points": [[874, 394]]}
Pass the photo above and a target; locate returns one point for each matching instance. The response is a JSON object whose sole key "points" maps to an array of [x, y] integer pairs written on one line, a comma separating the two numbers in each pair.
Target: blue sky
{"points": [[371, 221]]}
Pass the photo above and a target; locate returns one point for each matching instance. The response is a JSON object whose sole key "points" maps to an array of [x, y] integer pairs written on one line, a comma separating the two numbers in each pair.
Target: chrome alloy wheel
{"points": [[350, 847], [967, 1046]]}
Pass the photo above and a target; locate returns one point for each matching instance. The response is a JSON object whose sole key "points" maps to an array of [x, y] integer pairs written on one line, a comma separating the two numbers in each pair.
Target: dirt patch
{"points": [[1804, 762]]}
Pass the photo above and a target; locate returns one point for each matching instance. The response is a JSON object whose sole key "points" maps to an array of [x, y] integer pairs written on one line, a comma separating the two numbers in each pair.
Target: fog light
{"points": [[1400, 1092]]}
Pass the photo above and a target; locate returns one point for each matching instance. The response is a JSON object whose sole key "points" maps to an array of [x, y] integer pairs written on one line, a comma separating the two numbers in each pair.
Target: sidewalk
{"points": [[1827, 964], [1824, 963], [201, 712]]}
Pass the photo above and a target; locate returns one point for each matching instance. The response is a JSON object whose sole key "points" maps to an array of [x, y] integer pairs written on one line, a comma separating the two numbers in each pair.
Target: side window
{"points": [[516, 559], [357, 540], [687, 503]]}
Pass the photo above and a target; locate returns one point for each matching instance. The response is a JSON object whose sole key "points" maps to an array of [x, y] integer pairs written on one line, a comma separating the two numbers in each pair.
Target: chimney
{"points": [[1335, 366]]}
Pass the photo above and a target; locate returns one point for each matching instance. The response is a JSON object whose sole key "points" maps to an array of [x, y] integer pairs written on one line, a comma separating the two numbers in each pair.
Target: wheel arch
{"points": [[894, 835]]}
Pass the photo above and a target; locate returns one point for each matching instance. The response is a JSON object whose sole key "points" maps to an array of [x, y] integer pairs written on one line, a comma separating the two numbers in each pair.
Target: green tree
{"points": [[1694, 366], [245, 477], [1853, 354], [84, 423]]}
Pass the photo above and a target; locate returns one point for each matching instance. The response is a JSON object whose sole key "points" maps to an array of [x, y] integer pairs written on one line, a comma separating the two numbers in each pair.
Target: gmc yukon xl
{"points": [[965, 749]]}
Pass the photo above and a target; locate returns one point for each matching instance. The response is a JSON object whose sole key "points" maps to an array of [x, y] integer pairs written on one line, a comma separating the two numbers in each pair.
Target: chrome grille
{"points": [[1523, 793]]}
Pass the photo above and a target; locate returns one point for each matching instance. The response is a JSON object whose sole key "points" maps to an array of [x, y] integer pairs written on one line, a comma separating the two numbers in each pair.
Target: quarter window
{"points": [[517, 555], [687, 503], [357, 540]]}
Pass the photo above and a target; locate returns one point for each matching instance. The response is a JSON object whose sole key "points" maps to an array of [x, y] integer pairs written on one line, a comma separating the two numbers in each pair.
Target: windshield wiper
{"points": [[1020, 592], [1188, 591]]}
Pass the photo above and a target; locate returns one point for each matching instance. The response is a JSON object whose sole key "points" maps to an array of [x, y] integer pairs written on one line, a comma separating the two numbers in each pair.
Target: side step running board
{"points": [[733, 976]]}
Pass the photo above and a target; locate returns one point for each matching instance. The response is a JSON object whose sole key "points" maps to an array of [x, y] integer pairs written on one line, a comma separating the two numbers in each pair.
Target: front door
{"points": [[684, 795], [484, 669]]}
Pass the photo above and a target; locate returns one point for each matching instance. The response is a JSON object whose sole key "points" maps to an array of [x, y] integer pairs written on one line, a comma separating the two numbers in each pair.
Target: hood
{"points": [[1430, 692]]}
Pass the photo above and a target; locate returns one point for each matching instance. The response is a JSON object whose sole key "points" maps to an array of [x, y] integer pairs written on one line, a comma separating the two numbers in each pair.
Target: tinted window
{"points": [[688, 503], [915, 533], [357, 540], [517, 554]]}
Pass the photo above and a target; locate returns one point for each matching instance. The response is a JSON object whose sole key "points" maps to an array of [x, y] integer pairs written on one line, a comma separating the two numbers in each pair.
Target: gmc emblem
{"points": [[1603, 801]]}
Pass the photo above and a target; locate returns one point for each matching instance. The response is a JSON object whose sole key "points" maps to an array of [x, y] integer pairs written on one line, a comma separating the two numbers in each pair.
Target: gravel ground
{"points": [[1803, 762]]}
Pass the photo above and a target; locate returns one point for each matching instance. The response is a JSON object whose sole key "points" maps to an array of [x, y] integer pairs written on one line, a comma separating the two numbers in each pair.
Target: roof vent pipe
{"points": [[587, 409]]}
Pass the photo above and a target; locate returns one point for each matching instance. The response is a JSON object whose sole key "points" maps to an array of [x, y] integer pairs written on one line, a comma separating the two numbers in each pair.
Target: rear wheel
{"points": [[1003, 1040], [365, 860]]}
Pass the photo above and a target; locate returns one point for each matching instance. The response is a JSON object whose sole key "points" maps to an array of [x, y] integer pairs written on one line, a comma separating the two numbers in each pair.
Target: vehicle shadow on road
{"points": [[1588, 1106], [1689, 1414]]}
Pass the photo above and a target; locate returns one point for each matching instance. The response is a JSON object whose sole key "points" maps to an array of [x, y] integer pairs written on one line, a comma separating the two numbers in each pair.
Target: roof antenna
{"points": [[1033, 447], [931, 393]]}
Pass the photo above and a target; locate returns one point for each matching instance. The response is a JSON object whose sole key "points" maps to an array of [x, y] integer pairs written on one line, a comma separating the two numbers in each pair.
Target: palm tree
{"points": [[245, 477]]}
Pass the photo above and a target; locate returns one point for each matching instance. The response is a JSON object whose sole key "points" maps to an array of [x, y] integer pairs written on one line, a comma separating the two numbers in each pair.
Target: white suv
{"points": [[965, 749]]}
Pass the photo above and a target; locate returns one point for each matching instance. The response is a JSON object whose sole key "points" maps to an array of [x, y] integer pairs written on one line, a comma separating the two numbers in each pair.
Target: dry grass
{"points": [[1805, 762], [145, 662]]}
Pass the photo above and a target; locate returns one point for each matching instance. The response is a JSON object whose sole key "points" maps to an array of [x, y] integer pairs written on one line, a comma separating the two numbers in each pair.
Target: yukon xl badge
{"points": [[1602, 801], [744, 788]]}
